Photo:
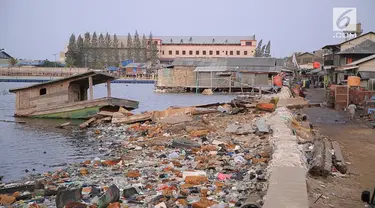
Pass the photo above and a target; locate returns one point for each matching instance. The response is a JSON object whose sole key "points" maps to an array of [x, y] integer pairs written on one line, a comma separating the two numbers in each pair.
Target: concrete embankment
{"points": [[287, 182]]}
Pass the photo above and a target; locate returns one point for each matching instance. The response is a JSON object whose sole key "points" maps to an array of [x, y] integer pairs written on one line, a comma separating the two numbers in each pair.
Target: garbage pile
{"points": [[181, 157]]}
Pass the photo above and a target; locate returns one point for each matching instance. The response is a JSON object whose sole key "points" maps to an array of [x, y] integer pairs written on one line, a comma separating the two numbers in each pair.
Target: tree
{"points": [[12, 61], [130, 49], [137, 47], [122, 52], [267, 52], [101, 46], [107, 51], [262, 51], [71, 53], [153, 51], [115, 50], [94, 50], [258, 50], [80, 57], [144, 49], [87, 55]]}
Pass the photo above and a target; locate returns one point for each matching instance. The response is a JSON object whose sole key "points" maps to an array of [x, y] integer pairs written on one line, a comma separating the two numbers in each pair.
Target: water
{"points": [[39, 145]]}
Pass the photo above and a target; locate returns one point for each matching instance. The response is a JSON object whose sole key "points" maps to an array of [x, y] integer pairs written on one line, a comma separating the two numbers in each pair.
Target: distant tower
{"points": [[356, 33]]}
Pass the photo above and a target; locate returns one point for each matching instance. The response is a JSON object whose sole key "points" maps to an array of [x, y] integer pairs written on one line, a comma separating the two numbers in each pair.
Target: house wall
{"points": [[357, 41], [308, 58], [184, 76], [205, 81], [367, 66]]}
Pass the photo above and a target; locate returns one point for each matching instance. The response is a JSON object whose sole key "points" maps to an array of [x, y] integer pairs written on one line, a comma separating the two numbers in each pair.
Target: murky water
{"points": [[39, 145]]}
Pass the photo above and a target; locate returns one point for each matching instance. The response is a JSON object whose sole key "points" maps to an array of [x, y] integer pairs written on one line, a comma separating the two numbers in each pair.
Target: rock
{"points": [[110, 196], [64, 196], [129, 192], [207, 92], [125, 112], [232, 128]]}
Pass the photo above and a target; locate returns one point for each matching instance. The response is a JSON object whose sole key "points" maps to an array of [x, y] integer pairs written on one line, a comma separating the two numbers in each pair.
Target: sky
{"points": [[37, 29]]}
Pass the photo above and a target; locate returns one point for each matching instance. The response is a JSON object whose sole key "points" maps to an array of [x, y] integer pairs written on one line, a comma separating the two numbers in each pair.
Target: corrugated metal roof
{"points": [[367, 74], [230, 62], [365, 47], [136, 65], [211, 68], [204, 39]]}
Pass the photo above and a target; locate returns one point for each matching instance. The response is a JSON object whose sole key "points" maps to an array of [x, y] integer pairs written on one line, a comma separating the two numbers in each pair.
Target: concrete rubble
{"points": [[213, 156]]}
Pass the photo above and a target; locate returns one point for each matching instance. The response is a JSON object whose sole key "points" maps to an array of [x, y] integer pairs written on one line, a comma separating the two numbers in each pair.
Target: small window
{"points": [[204, 52], [226, 53], [162, 52], [155, 42], [170, 52], [177, 52], [190, 52], [217, 52], [148, 42], [245, 53], [196, 52], [249, 43], [211, 53], [238, 53], [231, 53], [183, 52], [43, 91]]}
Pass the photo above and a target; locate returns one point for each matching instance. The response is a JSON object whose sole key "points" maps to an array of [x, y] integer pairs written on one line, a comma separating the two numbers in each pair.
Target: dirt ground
{"points": [[358, 145]]}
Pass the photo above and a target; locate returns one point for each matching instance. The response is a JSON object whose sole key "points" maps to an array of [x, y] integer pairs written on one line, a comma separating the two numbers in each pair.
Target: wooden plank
{"points": [[327, 156], [318, 159], [86, 123], [133, 119], [338, 161]]}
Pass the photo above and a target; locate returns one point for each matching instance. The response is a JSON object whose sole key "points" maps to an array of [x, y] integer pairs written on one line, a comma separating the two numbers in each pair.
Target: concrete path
{"points": [[287, 188]]}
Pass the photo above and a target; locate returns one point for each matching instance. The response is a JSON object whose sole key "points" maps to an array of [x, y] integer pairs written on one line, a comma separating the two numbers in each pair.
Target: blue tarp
{"points": [[126, 62], [112, 68]]}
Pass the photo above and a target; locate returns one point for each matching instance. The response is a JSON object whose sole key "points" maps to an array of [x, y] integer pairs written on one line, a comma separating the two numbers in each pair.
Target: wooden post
{"points": [[108, 88], [91, 88]]}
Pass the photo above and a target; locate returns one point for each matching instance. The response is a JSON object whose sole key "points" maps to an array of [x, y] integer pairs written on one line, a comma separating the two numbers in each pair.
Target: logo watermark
{"points": [[344, 22]]}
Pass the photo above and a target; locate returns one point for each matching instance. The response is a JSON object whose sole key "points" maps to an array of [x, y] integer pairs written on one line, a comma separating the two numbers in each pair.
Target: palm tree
{"points": [[12, 61]]}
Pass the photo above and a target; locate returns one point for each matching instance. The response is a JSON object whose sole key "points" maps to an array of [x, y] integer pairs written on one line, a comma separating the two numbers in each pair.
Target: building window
{"points": [[43, 91], [211, 53], [183, 52], [245, 53], [226, 53], [190, 53], [162, 52], [155, 42], [249, 43], [177, 52], [349, 60], [238, 53], [170, 52], [196, 52], [231, 53], [217, 52], [204, 52], [148, 42]]}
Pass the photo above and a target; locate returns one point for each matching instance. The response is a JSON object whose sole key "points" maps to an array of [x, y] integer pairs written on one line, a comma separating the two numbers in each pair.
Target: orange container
{"points": [[270, 107], [278, 81], [316, 65], [354, 81]]}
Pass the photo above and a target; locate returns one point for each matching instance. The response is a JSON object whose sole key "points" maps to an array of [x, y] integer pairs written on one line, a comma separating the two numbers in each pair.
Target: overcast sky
{"points": [[36, 29]]}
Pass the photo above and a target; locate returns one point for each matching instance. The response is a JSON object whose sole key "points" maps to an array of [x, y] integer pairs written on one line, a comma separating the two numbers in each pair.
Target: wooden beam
{"points": [[91, 88], [108, 88]]}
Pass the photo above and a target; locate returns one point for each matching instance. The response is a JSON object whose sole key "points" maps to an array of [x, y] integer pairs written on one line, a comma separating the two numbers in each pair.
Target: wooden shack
{"points": [[70, 97], [219, 73]]}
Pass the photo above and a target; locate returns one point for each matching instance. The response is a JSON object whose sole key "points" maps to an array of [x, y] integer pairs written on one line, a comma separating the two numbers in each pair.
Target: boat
{"points": [[68, 98]]}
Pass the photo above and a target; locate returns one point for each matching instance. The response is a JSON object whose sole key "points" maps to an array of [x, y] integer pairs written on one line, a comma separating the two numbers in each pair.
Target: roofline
{"points": [[7, 54], [306, 53], [357, 37], [361, 61], [110, 77], [328, 46]]}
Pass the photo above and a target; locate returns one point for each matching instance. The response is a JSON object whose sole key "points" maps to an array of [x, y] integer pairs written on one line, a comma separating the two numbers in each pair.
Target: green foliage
{"points": [[115, 51], [267, 52], [101, 47], [48, 63], [137, 47], [122, 52], [144, 49], [80, 57], [71, 53], [86, 48], [153, 51], [94, 50], [130, 48], [107, 50], [12, 61], [258, 50]]}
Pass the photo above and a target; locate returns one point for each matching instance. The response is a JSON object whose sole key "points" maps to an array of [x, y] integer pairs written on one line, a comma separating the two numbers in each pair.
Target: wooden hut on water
{"points": [[68, 97], [222, 74]]}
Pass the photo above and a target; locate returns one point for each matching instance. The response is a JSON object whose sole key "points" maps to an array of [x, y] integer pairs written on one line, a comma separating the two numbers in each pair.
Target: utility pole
{"points": [[55, 59]]}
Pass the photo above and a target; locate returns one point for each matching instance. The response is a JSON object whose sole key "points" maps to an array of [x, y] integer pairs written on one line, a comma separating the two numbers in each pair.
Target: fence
{"points": [[40, 71]]}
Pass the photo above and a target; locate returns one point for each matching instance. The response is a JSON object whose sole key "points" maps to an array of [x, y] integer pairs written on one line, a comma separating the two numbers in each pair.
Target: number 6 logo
{"points": [[344, 19]]}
